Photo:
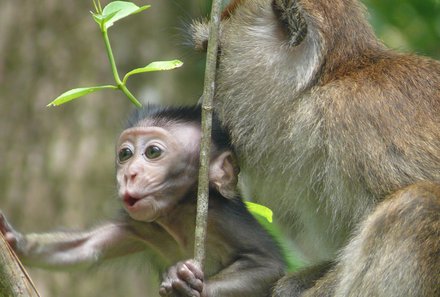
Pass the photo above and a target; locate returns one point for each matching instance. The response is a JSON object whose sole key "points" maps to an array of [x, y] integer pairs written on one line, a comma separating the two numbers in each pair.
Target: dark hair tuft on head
{"points": [[165, 116]]}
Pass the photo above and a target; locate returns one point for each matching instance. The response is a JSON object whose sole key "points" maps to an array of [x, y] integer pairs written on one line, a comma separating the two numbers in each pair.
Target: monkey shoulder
{"points": [[231, 220], [227, 215]]}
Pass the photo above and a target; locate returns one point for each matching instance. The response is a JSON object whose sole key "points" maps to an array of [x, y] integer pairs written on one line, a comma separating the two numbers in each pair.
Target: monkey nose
{"points": [[130, 176], [132, 171]]}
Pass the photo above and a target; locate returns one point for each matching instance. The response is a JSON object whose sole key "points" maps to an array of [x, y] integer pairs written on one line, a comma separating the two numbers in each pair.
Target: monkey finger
{"points": [[185, 274], [7, 231], [171, 273], [11, 239], [165, 291], [184, 290], [193, 266], [3, 223]]}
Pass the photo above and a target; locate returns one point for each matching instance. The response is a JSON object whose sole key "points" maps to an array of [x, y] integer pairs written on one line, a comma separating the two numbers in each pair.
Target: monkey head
{"points": [[157, 163]]}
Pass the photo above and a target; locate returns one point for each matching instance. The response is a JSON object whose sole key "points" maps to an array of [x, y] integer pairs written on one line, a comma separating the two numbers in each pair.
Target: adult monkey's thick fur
{"points": [[340, 136]]}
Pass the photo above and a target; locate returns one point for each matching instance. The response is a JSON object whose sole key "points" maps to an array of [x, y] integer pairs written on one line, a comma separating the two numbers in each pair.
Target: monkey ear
{"points": [[291, 19], [223, 174]]}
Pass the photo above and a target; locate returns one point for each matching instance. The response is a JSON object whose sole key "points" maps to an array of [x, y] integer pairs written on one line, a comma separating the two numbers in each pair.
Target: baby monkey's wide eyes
{"points": [[153, 152], [124, 154]]}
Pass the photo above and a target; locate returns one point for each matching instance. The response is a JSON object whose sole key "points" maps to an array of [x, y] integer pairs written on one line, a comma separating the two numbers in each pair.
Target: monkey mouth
{"points": [[140, 208], [129, 200]]}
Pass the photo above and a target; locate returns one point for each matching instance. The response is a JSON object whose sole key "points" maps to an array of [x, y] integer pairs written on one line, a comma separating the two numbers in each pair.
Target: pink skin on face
{"points": [[144, 185]]}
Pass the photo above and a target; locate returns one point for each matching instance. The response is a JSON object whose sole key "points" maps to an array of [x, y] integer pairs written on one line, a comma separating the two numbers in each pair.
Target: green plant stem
{"points": [[111, 58], [118, 81], [130, 96]]}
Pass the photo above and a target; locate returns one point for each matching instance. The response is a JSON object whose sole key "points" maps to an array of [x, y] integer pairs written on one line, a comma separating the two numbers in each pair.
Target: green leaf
{"points": [[118, 10], [290, 254], [154, 66], [264, 216], [102, 19], [98, 18], [260, 210], [76, 93]]}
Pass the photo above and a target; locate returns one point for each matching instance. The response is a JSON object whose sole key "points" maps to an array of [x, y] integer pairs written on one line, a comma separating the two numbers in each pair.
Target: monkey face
{"points": [[155, 168]]}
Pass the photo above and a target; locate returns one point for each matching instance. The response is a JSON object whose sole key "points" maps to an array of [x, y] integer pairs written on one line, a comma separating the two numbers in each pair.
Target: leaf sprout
{"points": [[105, 18]]}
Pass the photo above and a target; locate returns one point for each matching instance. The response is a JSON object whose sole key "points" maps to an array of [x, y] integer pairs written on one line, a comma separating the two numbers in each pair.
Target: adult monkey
{"points": [[340, 136]]}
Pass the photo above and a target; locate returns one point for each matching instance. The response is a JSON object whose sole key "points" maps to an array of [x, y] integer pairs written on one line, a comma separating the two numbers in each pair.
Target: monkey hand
{"points": [[12, 237], [185, 279]]}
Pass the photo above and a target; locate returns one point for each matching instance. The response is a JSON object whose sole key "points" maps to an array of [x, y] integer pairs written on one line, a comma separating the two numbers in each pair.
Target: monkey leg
{"points": [[395, 251], [296, 283]]}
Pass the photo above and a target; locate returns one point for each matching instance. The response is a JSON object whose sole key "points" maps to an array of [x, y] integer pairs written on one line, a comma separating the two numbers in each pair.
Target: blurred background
{"points": [[56, 164]]}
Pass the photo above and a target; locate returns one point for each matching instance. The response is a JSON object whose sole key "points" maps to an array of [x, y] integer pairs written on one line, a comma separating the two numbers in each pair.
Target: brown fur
{"points": [[326, 125], [229, 9]]}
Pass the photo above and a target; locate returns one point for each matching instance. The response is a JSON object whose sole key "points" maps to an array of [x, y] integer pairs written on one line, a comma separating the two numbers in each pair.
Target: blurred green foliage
{"points": [[407, 25]]}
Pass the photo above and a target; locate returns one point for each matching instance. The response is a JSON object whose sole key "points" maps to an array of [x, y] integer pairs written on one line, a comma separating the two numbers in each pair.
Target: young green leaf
{"points": [[260, 210], [264, 216], [76, 93], [290, 254], [120, 10], [102, 19], [154, 66]]}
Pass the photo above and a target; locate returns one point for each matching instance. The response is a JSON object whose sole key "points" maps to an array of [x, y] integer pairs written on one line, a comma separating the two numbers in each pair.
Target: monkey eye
{"points": [[153, 152], [124, 154]]}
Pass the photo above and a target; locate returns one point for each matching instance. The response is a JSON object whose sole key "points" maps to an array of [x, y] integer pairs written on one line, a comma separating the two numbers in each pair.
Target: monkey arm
{"points": [[251, 260], [242, 260], [249, 275], [67, 250]]}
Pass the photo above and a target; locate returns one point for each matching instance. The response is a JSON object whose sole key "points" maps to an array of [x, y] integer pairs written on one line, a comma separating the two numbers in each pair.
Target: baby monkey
{"points": [[157, 159]]}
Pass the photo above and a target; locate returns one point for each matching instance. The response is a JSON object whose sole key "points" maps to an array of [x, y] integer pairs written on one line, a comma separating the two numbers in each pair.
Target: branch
{"points": [[14, 281], [205, 145]]}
